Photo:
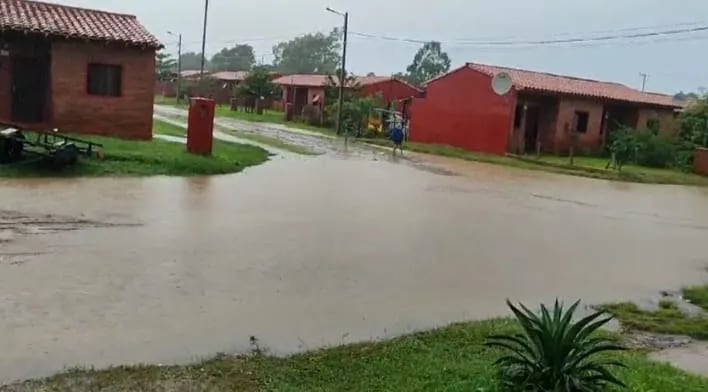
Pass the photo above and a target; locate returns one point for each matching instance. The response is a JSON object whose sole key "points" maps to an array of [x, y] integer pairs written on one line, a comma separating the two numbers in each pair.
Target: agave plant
{"points": [[556, 354]]}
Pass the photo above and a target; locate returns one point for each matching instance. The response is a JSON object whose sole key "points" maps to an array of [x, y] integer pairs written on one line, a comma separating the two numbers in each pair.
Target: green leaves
{"points": [[555, 354], [429, 62], [309, 53], [258, 84]]}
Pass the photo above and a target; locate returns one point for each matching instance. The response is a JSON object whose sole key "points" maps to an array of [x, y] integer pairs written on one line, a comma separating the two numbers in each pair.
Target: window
{"points": [[581, 121], [105, 79], [653, 125]]}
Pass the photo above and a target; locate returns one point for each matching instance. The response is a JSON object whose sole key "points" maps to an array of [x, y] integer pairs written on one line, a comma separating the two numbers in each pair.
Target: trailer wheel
{"points": [[11, 148], [67, 154]]}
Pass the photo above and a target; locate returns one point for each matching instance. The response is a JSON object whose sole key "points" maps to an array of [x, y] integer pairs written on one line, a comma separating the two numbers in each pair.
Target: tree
{"points": [[356, 109], [258, 84], [429, 62], [309, 53], [694, 122], [165, 65], [191, 60], [238, 58]]}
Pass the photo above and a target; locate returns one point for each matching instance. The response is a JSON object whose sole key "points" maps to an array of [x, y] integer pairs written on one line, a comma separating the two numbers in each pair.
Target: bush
{"points": [[655, 150], [555, 354], [647, 148]]}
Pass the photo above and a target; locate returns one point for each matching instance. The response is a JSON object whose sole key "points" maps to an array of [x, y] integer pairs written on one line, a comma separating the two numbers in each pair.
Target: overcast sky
{"points": [[677, 62]]}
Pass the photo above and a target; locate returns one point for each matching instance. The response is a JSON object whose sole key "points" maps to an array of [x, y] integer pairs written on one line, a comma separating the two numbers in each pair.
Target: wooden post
{"points": [[538, 139], [522, 130]]}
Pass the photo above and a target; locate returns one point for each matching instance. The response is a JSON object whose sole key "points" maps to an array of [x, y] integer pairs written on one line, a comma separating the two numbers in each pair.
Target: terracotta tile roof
{"points": [[559, 84], [321, 80], [230, 75], [73, 22], [188, 73]]}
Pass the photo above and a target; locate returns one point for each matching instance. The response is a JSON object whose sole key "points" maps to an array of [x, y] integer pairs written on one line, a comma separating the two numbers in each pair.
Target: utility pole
{"points": [[342, 76], [206, 13], [644, 76], [179, 65]]}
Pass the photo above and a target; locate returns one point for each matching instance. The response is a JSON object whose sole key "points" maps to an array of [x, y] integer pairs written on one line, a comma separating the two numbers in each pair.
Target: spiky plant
{"points": [[555, 354]]}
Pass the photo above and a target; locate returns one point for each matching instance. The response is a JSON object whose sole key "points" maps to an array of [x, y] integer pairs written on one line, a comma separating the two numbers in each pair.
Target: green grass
{"points": [[667, 320], [447, 359], [145, 158], [163, 128], [583, 166], [698, 295], [268, 116]]}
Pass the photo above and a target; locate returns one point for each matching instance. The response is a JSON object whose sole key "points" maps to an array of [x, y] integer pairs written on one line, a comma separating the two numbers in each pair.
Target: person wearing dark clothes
{"points": [[397, 137]]}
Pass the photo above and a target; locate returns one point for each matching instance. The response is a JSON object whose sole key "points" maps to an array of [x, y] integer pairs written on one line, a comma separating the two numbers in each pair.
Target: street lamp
{"points": [[342, 75], [206, 12], [179, 64]]}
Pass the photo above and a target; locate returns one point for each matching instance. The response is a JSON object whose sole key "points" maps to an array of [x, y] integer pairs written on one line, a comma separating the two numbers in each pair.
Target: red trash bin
{"points": [[200, 129]]}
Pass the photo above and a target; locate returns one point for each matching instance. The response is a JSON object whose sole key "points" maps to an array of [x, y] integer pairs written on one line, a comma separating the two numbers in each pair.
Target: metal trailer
{"points": [[56, 148]]}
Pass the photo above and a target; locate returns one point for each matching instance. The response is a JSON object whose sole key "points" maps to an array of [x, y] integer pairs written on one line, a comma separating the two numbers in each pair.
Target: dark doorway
{"points": [[531, 131], [30, 80]]}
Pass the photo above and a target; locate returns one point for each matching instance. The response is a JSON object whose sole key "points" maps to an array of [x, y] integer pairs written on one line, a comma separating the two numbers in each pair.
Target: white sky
{"points": [[673, 64]]}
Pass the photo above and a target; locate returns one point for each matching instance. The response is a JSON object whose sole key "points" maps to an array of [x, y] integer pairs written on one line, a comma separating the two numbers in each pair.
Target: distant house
{"points": [[192, 73], [461, 109], [301, 90], [75, 69]]}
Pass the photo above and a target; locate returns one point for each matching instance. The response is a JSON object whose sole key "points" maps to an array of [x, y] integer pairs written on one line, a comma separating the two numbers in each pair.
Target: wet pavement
{"points": [[304, 252]]}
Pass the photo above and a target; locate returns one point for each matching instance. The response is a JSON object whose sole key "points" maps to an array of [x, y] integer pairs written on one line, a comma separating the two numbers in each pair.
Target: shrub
{"points": [[555, 354], [655, 150]]}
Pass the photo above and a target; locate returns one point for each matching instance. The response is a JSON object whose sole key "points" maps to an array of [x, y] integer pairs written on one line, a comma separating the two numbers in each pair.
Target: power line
{"points": [[624, 29], [543, 42]]}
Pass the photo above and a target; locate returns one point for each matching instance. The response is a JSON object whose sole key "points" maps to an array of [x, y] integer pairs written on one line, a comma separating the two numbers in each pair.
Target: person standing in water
{"points": [[397, 136]]}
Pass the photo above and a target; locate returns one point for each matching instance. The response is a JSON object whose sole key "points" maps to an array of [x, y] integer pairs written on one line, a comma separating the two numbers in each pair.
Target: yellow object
{"points": [[375, 126]]}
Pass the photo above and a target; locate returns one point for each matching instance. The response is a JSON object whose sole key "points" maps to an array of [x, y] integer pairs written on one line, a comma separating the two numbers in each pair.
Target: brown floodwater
{"points": [[303, 252]]}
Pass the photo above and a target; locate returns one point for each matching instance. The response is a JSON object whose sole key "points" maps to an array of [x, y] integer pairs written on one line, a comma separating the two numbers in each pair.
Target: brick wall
{"points": [[74, 110], [591, 140], [700, 161], [667, 123]]}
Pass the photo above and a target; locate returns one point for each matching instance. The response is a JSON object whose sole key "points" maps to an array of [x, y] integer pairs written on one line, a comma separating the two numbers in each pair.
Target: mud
{"points": [[692, 357], [305, 252]]}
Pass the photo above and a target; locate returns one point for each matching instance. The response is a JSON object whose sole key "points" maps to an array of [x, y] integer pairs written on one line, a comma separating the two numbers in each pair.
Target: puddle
{"points": [[692, 358], [301, 252]]}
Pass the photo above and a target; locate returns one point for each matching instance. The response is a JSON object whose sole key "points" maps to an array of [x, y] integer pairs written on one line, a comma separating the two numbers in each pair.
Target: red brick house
{"points": [[75, 69], [301, 90], [460, 109]]}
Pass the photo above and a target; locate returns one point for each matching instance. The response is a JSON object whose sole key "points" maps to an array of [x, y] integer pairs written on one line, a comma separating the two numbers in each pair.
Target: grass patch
{"points": [[145, 158], [583, 166], [698, 295], [667, 320], [163, 128], [451, 359]]}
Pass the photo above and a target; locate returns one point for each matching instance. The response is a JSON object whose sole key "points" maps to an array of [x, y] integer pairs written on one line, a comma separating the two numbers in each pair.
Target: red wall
{"points": [[391, 90], [700, 161], [129, 115], [461, 110]]}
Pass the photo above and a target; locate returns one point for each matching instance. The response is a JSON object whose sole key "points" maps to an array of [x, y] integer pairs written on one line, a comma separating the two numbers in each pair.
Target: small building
{"points": [[75, 69], [301, 90], [226, 83], [541, 110], [192, 73]]}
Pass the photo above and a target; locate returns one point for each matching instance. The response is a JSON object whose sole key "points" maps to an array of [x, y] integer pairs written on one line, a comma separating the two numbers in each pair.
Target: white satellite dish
{"points": [[502, 83]]}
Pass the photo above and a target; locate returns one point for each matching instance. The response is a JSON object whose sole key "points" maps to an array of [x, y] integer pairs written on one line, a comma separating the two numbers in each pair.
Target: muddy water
{"points": [[309, 251]]}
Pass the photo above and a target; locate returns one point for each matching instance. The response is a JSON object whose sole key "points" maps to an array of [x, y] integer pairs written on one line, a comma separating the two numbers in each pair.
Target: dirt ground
{"points": [[304, 252]]}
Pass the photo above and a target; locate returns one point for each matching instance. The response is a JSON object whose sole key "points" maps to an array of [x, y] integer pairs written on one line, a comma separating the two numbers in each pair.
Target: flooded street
{"points": [[303, 252]]}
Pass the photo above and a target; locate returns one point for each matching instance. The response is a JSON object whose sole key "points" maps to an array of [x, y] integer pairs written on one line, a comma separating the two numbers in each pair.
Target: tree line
{"points": [[314, 53]]}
